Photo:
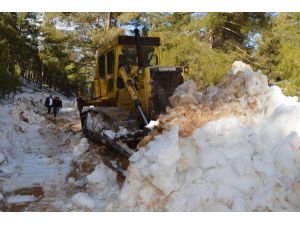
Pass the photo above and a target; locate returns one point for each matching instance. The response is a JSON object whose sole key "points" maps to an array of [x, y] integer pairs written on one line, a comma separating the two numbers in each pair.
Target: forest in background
{"points": [[57, 50]]}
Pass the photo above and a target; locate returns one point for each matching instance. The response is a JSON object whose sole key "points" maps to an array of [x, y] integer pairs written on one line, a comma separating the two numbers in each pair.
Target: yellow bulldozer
{"points": [[129, 89]]}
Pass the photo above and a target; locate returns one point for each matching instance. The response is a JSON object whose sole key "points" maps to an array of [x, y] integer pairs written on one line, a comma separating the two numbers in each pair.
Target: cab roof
{"points": [[129, 40], [145, 41]]}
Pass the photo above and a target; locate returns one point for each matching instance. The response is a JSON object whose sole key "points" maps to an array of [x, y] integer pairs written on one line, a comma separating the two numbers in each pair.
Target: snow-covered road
{"points": [[37, 163]]}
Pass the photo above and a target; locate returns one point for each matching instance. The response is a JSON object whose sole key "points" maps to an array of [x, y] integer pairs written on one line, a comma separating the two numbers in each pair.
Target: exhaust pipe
{"points": [[139, 52]]}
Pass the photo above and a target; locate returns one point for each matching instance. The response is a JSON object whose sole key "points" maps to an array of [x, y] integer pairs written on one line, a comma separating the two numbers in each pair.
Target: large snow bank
{"points": [[16, 119], [235, 148]]}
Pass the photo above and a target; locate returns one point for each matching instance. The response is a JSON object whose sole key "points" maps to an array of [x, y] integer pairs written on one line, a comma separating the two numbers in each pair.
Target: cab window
{"points": [[110, 62], [149, 56], [152, 60], [130, 56], [102, 66]]}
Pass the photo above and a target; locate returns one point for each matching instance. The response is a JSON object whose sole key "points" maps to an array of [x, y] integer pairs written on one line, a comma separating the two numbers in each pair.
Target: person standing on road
{"points": [[57, 103], [49, 103]]}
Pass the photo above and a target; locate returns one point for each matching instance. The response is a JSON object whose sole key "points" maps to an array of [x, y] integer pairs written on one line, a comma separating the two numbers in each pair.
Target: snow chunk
{"points": [[81, 148], [111, 134], [185, 94], [101, 176], [152, 124], [239, 66], [82, 200], [16, 199], [71, 180]]}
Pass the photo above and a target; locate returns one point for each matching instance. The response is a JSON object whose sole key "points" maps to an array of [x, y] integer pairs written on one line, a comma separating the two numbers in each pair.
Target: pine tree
{"points": [[279, 51]]}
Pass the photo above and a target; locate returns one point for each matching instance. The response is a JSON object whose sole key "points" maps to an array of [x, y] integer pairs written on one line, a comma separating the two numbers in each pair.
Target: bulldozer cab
{"points": [[122, 52], [140, 58]]}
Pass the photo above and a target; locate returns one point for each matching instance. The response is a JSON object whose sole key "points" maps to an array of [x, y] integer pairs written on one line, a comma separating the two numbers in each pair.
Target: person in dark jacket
{"points": [[57, 103], [49, 103]]}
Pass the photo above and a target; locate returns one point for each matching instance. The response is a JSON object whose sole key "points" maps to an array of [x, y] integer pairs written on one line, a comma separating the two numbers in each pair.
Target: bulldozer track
{"points": [[112, 159]]}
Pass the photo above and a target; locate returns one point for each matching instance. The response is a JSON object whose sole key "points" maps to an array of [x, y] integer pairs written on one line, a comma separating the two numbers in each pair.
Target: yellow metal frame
{"points": [[123, 97]]}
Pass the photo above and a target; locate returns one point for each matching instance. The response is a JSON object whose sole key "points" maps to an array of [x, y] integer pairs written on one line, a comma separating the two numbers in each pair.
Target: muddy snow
{"points": [[235, 147]]}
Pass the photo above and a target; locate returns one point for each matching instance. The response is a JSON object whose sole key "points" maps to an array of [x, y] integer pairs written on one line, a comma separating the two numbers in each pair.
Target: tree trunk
{"points": [[107, 17], [41, 76], [212, 39], [22, 69]]}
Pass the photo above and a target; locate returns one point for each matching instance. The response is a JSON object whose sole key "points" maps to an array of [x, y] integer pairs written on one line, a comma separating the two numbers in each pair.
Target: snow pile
{"points": [[81, 148], [16, 119], [238, 149], [243, 93], [24, 109], [100, 193]]}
